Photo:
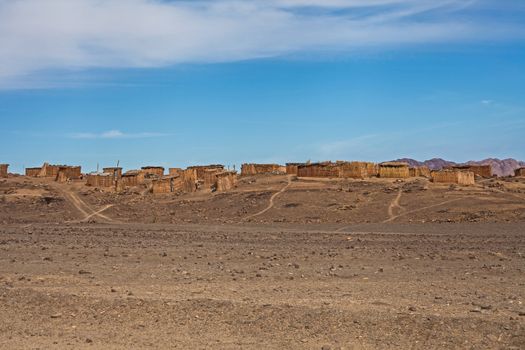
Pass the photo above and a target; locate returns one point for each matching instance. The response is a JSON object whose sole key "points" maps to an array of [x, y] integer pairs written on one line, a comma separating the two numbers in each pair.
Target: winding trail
{"points": [[395, 204], [272, 198]]}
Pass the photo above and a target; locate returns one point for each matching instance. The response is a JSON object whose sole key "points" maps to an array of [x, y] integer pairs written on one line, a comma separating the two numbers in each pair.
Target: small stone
{"points": [[412, 308], [88, 340], [56, 315]]}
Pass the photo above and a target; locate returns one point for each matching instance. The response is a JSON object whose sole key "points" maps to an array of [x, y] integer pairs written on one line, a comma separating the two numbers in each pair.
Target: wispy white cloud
{"points": [[47, 35], [115, 134]]}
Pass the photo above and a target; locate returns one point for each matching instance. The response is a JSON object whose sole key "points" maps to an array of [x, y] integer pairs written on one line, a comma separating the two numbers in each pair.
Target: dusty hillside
{"points": [[270, 199]]}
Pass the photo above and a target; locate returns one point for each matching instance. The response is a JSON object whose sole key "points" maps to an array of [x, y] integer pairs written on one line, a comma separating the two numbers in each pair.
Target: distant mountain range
{"points": [[500, 167]]}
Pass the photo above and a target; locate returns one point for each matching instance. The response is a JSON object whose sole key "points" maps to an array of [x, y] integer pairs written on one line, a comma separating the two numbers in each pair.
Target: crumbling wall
{"points": [[519, 172]]}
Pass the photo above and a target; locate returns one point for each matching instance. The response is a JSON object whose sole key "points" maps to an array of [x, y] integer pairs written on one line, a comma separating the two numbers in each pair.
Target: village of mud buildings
{"points": [[329, 255]]}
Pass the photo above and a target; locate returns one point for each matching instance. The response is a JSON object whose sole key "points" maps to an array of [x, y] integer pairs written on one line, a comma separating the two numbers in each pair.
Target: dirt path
{"points": [[420, 209], [98, 213], [83, 207], [395, 204], [272, 198]]}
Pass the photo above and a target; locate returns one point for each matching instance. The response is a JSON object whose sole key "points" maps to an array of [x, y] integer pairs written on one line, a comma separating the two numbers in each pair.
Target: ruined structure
{"points": [[479, 170], [394, 170], [420, 171], [453, 177], [519, 172], [4, 170], [153, 171], [254, 169]]}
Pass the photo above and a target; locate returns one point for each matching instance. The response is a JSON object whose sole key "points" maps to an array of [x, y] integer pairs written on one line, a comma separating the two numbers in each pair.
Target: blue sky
{"points": [[177, 83]]}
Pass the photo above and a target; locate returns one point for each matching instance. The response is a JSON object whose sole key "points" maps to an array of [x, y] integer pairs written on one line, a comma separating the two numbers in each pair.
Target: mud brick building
{"points": [[291, 168], [356, 170], [519, 172]]}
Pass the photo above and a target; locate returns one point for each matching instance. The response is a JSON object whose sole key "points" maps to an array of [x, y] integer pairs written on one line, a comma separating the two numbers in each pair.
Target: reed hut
{"points": [[226, 180], [479, 170], [116, 172], [519, 172], [100, 180], [356, 170], [33, 172], [167, 184], [255, 169], [453, 177], [395, 170], [420, 171], [66, 173], [175, 171], [48, 170], [189, 178], [291, 168], [201, 169], [4, 170], [153, 171], [324, 169], [132, 178]]}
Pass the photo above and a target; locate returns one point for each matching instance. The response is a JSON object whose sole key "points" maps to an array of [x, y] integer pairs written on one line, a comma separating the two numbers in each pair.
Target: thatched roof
{"points": [[394, 164]]}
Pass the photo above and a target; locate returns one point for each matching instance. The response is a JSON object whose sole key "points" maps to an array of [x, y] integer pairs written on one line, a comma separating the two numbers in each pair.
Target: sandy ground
{"points": [[318, 265]]}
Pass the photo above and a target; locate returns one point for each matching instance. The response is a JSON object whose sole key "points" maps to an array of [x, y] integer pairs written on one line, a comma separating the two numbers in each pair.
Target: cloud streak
{"points": [[114, 134], [44, 35]]}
